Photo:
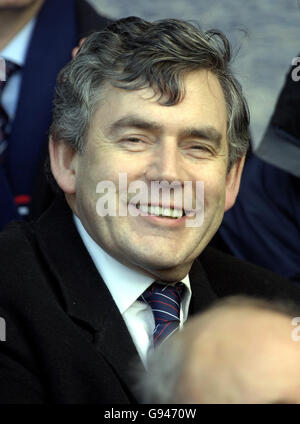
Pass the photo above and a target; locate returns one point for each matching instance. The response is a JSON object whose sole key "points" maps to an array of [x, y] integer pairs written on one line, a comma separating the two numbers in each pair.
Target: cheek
{"points": [[215, 188], [92, 169], [214, 197], [108, 164], [88, 174], [214, 201]]}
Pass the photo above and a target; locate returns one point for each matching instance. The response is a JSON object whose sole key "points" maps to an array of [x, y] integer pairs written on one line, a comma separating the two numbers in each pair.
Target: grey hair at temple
{"points": [[133, 54]]}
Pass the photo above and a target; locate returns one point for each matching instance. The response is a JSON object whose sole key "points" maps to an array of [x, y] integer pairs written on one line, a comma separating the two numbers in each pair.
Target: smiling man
{"points": [[93, 289], [130, 131]]}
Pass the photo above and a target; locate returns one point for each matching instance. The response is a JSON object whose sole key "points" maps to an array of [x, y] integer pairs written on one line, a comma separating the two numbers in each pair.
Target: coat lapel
{"points": [[85, 296], [202, 293]]}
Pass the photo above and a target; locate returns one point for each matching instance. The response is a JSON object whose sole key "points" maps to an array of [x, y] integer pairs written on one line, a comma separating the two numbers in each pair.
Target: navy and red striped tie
{"points": [[165, 303]]}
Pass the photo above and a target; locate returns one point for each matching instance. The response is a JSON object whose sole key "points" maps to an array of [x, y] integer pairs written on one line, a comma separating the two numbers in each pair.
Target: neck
{"points": [[13, 19], [171, 275]]}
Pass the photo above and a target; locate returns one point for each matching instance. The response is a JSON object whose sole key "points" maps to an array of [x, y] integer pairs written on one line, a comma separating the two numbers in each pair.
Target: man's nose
{"points": [[165, 164]]}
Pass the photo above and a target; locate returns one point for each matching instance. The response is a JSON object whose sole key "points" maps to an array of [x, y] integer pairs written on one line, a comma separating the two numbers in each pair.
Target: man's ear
{"points": [[233, 180], [63, 165]]}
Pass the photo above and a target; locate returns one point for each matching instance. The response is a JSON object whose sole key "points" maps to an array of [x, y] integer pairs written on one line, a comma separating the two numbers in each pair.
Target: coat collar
{"points": [[85, 295], [202, 292]]}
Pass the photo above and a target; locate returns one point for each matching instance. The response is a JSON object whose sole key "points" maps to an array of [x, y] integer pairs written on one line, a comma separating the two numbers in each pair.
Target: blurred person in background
{"points": [[241, 350], [263, 227], [36, 41]]}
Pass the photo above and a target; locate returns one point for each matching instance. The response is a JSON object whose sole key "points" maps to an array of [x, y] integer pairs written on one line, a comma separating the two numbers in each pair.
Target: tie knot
{"points": [[159, 292], [164, 300]]}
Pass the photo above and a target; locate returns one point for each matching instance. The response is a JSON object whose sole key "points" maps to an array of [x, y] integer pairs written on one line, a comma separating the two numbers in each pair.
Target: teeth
{"points": [[143, 208], [158, 211], [153, 210], [177, 213]]}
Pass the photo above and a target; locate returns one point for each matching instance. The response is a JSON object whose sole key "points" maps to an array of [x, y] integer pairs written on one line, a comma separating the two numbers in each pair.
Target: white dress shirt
{"points": [[126, 285], [16, 51]]}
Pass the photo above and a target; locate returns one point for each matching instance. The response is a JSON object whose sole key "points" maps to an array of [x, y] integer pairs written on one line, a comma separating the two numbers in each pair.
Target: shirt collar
{"points": [[125, 284], [16, 49]]}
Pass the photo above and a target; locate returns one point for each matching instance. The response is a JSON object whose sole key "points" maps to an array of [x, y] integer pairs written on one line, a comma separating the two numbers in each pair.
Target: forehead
{"points": [[203, 104]]}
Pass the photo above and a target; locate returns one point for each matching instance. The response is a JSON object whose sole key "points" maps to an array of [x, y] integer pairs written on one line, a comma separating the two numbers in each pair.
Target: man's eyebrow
{"points": [[208, 133], [133, 121]]}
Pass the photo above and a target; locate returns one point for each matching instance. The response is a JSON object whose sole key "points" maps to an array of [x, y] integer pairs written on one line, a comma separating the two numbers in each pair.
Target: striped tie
{"points": [[165, 303], [10, 68]]}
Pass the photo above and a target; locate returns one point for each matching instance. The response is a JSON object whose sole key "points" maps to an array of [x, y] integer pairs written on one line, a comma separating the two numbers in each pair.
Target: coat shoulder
{"points": [[24, 276], [16, 241], [229, 275]]}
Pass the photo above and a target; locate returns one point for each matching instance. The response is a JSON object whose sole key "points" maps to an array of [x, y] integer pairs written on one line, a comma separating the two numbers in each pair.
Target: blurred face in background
{"points": [[14, 15], [243, 355], [17, 4]]}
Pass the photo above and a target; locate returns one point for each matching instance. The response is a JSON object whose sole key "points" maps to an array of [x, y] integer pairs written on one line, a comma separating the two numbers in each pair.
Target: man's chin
{"points": [[165, 268]]}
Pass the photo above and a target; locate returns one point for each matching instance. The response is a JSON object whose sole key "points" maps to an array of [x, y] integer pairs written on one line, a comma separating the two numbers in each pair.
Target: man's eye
{"points": [[134, 143], [200, 151], [200, 147], [132, 140]]}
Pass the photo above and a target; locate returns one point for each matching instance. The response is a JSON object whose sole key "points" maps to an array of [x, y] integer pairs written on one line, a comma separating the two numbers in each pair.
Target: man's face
{"points": [[132, 133]]}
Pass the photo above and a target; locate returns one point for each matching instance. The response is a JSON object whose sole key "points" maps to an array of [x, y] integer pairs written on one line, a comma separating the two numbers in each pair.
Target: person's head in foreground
{"points": [[158, 102], [240, 350]]}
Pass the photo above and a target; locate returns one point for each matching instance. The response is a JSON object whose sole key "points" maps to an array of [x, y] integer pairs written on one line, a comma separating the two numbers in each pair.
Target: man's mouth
{"points": [[160, 211]]}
